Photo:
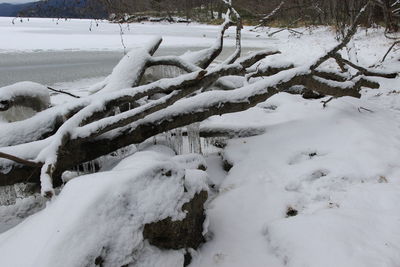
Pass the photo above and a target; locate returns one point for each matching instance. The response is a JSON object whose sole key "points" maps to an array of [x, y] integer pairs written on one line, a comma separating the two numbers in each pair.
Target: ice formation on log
{"points": [[193, 133]]}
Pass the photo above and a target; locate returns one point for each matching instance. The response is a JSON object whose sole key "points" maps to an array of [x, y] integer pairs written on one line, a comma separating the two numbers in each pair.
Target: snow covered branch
{"points": [[205, 57], [365, 71], [124, 110]]}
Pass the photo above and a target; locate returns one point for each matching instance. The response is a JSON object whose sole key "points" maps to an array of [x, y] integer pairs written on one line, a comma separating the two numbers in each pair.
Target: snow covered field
{"points": [[338, 166]]}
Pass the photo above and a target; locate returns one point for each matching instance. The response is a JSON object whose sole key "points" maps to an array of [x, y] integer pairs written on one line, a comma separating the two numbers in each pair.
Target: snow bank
{"points": [[103, 215], [336, 166]]}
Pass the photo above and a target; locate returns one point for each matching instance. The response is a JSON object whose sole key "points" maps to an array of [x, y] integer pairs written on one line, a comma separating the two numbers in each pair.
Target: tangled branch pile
{"points": [[127, 109]]}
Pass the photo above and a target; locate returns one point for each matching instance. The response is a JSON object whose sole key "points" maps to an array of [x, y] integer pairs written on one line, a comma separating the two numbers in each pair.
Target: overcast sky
{"points": [[16, 1]]}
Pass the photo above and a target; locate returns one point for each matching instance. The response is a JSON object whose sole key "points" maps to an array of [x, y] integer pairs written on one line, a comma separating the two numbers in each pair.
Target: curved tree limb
{"points": [[364, 71], [390, 49], [62, 92], [344, 42]]}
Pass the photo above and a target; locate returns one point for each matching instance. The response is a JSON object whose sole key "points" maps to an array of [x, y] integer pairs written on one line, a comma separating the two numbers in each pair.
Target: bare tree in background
{"points": [[340, 13]]}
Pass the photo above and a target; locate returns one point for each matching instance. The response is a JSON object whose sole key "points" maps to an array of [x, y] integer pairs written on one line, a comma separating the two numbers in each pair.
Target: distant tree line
{"points": [[65, 9], [265, 13], [333, 12]]}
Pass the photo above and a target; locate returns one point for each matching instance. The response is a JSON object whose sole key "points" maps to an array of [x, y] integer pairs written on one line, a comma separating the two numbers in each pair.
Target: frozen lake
{"points": [[49, 51], [50, 67]]}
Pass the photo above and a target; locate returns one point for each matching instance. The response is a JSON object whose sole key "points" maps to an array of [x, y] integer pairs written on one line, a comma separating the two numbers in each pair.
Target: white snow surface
{"points": [[337, 166]]}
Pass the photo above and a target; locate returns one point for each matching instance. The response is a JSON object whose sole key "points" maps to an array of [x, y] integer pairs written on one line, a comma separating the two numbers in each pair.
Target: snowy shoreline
{"points": [[319, 187]]}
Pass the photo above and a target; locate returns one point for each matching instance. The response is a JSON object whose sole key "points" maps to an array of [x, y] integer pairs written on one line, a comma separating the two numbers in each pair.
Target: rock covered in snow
{"points": [[99, 218], [178, 234], [22, 100]]}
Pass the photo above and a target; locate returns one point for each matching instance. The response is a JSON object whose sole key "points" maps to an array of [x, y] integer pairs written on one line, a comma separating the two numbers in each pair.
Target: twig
{"points": [[365, 71], [390, 49], [327, 101], [288, 28], [361, 108], [62, 92], [121, 34], [19, 160], [264, 20], [294, 31]]}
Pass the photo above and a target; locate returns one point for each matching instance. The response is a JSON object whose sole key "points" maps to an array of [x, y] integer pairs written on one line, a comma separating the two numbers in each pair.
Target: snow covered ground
{"points": [[338, 166]]}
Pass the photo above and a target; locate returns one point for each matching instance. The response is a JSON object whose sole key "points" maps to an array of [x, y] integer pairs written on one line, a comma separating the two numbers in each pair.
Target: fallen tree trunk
{"points": [[95, 126]]}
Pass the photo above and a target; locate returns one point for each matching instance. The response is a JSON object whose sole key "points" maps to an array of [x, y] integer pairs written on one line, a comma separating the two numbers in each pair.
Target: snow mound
{"points": [[22, 100], [101, 216]]}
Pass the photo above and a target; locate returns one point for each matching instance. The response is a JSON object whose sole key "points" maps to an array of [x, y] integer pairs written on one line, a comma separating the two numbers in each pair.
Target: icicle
{"points": [[206, 144], [7, 195], [168, 72], [193, 132], [93, 166], [178, 141], [174, 140], [158, 72]]}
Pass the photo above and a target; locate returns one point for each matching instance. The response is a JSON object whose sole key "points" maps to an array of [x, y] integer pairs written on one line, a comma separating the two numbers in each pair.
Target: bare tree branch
{"points": [[344, 42], [20, 161], [62, 92]]}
